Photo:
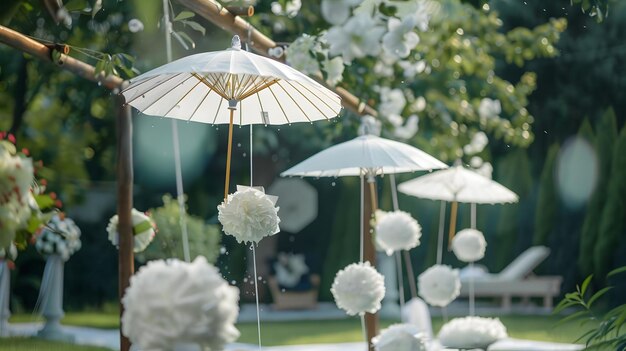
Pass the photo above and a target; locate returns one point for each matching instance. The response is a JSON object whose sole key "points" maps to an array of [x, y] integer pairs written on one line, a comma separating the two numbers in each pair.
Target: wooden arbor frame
{"points": [[220, 16]]}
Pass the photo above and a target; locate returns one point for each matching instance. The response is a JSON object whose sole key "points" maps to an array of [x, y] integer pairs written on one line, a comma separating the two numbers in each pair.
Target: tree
{"points": [[548, 202], [613, 222], [606, 130]]}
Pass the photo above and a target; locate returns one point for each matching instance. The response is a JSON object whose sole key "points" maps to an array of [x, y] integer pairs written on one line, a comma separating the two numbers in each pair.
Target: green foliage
{"points": [[608, 334], [204, 239], [607, 133], [513, 172], [612, 224], [548, 202], [595, 8]]}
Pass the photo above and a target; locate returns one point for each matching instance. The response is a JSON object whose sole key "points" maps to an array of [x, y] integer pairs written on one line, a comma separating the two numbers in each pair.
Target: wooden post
{"points": [[452, 231], [369, 251], [124, 205]]}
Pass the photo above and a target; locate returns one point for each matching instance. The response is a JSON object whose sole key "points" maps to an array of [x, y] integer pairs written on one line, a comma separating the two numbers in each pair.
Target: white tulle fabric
{"points": [[397, 231], [400, 337], [469, 245], [439, 285], [472, 332], [141, 239], [173, 302], [358, 288], [59, 237], [249, 215]]}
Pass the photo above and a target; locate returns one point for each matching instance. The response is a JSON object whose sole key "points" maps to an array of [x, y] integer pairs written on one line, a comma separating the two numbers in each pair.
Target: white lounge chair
{"points": [[516, 280]]}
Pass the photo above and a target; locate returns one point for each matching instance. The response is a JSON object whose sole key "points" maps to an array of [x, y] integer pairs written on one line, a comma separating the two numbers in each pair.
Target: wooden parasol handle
{"points": [[230, 150], [453, 212]]}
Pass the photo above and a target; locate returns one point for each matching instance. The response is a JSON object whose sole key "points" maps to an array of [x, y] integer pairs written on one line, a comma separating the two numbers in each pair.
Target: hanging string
{"points": [[396, 207], [471, 290], [361, 234], [407, 256], [473, 215], [363, 328], [256, 295], [180, 194], [442, 219]]}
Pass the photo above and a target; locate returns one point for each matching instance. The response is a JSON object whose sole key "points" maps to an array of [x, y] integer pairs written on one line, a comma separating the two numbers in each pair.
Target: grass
{"points": [[31, 344], [540, 328]]}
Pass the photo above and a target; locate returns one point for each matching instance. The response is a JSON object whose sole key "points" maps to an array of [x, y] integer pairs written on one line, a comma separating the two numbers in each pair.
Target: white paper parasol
{"points": [[209, 87]]}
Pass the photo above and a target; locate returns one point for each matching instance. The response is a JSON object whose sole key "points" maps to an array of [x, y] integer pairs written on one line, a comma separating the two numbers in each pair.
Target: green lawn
{"points": [[28, 344], [540, 328]]}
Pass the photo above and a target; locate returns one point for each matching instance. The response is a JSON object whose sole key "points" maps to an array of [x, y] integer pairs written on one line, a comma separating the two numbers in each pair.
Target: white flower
{"points": [[476, 161], [439, 285], [401, 37], [358, 288], [384, 64], [289, 269], [300, 54], [16, 177], [369, 126], [469, 245], [334, 70], [409, 129], [9, 253], [143, 230], [472, 332], [61, 236], [336, 12], [400, 337], [489, 108], [249, 215], [397, 231], [485, 170], [291, 8], [411, 69], [135, 25], [358, 37], [170, 302], [392, 101], [417, 11], [477, 144]]}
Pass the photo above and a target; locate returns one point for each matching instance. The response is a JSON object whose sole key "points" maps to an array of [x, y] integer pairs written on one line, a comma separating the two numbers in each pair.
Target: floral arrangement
{"points": [[400, 337], [289, 269], [173, 302], [439, 285], [24, 207], [396, 231], [9, 253], [61, 236], [472, 332], [469, 245], [144, 230], [249, 214], [358, 288]]}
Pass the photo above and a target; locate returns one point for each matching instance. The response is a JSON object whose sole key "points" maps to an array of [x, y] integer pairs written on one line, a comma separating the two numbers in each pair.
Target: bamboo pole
{"points": [[221, 17], [369, 252], [452, 231], [25, 44], [229, 154]]}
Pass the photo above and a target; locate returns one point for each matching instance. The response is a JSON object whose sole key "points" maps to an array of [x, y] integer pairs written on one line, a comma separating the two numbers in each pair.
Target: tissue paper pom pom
{"points": [[143, 230], [61, 236], [397, 231], [439, 285], [249, 215], [472, 332], [469, 245], [400, 337], [358, 288], [172, 302], [9, 253]]}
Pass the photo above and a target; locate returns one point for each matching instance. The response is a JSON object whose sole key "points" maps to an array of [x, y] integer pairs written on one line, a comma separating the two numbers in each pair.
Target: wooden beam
{"points": [[30, 46], [124, 205], [221, 17]]}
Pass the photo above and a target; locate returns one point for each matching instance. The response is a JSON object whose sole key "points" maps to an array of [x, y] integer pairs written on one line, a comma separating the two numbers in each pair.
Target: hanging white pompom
{"points": [[472, 333], [173, 302], [143, 230], [249, 215], [400, 337], [9, 253], [397, 231], [469, 245], [60, 236], [358, 288], [439, 285]]}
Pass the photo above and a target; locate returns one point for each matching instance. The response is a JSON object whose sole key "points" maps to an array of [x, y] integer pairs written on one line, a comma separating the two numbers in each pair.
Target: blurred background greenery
{"points": [[574, 91]]}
